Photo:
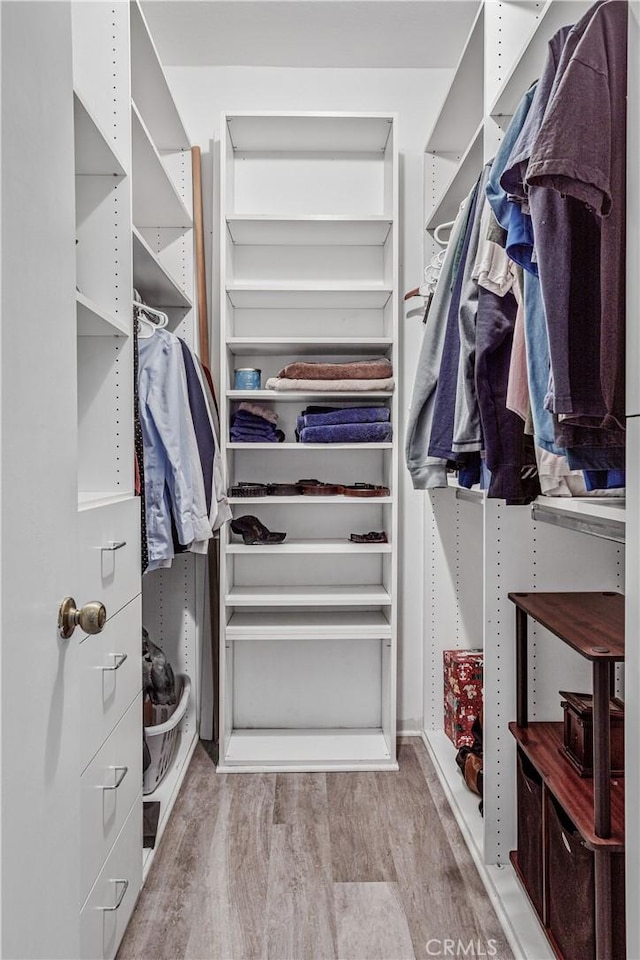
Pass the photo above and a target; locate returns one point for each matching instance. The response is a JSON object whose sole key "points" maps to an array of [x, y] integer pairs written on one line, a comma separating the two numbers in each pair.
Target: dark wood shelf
{"points": [[590, 623], [543, 745]]}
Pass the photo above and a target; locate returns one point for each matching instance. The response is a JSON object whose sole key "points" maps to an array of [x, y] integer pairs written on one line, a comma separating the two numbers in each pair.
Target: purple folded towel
{"points": [[347, 433], [244, 416], [267, 429], [346, 415], [245, 436]]}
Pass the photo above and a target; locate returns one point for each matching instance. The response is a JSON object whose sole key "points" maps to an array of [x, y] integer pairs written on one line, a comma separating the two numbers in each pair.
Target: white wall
{"points": [[201, 94]]}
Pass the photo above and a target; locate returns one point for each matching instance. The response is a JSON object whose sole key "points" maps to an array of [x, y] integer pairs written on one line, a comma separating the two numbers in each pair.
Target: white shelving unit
{"points": [[478, 550], [309, 269], [173, 609]]}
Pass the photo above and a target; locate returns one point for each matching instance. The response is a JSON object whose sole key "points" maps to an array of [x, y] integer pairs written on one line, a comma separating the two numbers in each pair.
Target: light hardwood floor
{"points": [[313, 866]]}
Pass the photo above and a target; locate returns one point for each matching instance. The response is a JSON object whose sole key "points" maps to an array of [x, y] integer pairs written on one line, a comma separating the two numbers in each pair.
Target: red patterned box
{"points": [[462, 694]]}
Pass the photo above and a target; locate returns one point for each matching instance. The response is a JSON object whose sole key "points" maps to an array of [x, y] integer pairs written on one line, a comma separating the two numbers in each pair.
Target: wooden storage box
{"points": [[578, 732]]}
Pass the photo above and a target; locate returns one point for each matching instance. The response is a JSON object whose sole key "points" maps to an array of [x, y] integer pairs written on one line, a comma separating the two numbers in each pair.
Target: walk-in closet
{"points": [[320, 501]]}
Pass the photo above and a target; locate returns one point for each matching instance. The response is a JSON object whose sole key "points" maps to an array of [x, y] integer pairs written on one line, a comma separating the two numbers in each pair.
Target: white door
{"points": [[39, 783], [66, 491]]}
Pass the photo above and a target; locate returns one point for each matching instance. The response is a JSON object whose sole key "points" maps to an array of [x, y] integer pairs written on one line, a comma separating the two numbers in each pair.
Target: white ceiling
{"points": [[310, 33]]}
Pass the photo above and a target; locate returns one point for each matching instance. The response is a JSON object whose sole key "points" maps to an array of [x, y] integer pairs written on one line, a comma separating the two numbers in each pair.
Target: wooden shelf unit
{"points": [[592, 625]]}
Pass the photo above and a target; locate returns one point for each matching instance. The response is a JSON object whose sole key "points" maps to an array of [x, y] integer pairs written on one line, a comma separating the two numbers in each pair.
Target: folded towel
{"points": [[258, 411], [254, 434], [339, 386], [377, 369], [243, 416], [347, 433], [346, 415], [244, 436]]}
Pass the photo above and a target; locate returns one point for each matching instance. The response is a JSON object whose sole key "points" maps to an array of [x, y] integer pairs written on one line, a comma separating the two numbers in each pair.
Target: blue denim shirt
{"points": [[173, 484]]}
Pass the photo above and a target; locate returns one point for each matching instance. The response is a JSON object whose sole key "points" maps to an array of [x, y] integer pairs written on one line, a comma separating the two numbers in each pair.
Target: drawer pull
{"points": [[113, 545], [120, 896], [118, 660], [121, 774]]}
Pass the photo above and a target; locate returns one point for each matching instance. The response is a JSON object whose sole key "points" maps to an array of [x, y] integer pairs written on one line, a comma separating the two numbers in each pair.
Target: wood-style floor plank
{"points": [[355, 866], [430, 879], [474, 888], [300, 916], [163, 917], [371, 922], [360, 846]]}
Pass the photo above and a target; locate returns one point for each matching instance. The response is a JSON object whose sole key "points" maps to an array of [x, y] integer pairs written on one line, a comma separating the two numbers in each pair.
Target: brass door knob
{"points": [[91, 617]]}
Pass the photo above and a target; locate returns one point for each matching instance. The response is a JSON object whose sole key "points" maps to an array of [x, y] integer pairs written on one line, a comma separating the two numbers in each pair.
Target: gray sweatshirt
{"points": [[426, 471]]}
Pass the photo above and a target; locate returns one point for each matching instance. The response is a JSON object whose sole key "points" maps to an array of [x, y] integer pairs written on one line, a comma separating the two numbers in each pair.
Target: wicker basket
{"points": [[163, 738]]}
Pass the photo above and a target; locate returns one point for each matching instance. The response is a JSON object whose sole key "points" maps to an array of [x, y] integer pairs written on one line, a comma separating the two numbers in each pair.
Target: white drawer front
{"points": [[108, 787], [110, 677], [109, 554], [104, 916]]}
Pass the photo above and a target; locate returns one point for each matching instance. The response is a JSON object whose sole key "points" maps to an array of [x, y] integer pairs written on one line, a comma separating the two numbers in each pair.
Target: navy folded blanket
{"points": [[347, 433], [345, 415]]}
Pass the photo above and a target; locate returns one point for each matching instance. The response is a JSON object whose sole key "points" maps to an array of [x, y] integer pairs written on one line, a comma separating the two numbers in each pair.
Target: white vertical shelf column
{"points": [[309, 268], [173, 600]]}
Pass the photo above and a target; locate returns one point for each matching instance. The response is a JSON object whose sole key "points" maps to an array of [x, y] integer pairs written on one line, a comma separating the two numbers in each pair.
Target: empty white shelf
{"points": [[307, 750], [292, 396], [309, 446], [309, 547], [152, 280], [283, 346], [293, 296], [462, 109], [309, 625], [311, 133], [156, 202], [311, 595], [308, 501], [94, 499], [313, 230], [94, 152], [150, 90], [528, 66], [467, 172], [93, 321]]}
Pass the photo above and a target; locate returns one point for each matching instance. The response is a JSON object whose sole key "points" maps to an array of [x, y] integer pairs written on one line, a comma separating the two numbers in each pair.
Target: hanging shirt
{"points": [[580, 153], [503, 430], [467, 428], [463, 300], [427, 472], [508, 194], [220, 510], [172, 472]]}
